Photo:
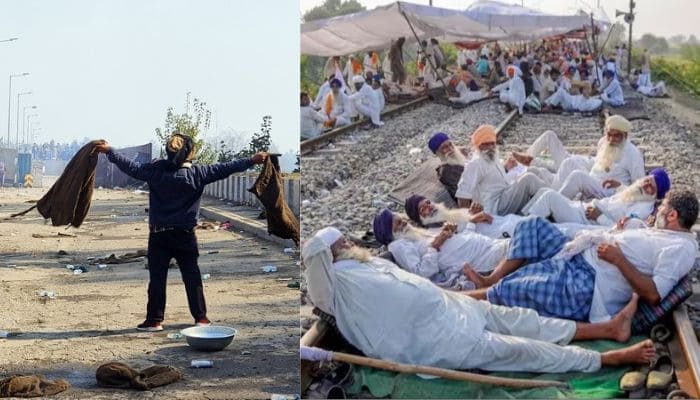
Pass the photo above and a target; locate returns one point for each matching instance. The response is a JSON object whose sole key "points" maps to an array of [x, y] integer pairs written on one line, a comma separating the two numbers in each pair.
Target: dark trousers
{"points": [[162, 247]]}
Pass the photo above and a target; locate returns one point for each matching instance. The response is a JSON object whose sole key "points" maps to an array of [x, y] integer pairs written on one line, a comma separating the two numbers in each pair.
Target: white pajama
{"points": [[515, 196], [582, 182], [548, 142]]}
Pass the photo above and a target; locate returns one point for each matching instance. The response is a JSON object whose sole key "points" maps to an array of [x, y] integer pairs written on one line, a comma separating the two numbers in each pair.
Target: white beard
{"points": [[457, 158], [413, 234], [635, 194], [607, 156], [354, 253], [493, 157], [443, 214], [660, 221]]}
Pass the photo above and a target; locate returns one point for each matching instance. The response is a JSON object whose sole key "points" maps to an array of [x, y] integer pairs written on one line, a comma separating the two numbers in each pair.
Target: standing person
{"points": [[398, 70], [176, 188], [2, 173]]}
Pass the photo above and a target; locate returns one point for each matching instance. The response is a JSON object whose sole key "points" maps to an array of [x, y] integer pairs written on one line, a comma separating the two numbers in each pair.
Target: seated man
{"points": [[484, 179], [337, 106], [569, 102], [592, 277], [322, 92], [617, 162], [468, 91], [646, 87], [512, 92], [379, 91], [638, 199], [311, 121], [365, 101], [453, 161], [611, 90], [439, 256], [392, 314]]}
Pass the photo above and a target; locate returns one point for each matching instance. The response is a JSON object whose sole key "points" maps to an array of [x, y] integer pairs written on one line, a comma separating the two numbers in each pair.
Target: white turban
{"points": [[329, 235], [619, 123], [358, 79], [320, 276]]}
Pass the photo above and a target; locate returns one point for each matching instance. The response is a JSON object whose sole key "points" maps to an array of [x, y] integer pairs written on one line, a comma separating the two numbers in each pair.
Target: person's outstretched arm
{"points": [[214, 172], [142, 172]]}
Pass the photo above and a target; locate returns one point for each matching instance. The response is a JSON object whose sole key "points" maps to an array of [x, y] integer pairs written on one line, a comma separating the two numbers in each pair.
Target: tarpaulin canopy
{"points": [[482, 21], [376, 29]]}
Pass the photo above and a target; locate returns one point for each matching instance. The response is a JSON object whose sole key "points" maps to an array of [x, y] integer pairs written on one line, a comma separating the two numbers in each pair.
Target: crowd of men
{"points": [[541, 249], [558, 74]]}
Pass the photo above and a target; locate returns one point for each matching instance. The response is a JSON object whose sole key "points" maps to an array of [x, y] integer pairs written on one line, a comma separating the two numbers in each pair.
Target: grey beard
{"points": [[413, 234], [444, 214], [491, 155], [635, 194], [608, 156], [354, 253], [457, 158]]}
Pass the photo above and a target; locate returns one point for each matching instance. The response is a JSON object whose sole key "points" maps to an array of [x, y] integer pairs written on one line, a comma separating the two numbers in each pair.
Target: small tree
{"points": [[260, 141], [191, 123]]}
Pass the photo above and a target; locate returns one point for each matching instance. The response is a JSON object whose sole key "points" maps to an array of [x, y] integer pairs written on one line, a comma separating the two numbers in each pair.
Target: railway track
{"points": [[580, 135]]}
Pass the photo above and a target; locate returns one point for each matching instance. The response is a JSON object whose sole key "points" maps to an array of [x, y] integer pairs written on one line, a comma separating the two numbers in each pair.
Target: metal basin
{"points": [[209, 338]]}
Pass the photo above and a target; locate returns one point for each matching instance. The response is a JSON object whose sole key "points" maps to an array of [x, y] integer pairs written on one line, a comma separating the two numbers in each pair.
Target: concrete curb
{"points": [[245, 224]]}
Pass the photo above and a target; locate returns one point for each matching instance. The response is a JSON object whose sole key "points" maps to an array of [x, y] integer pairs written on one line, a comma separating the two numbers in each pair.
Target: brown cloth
{"points": [[121, 376], [31, 386], [268, 188], [68, 200]]}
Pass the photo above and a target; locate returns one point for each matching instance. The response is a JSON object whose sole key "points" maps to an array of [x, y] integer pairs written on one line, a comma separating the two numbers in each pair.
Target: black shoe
{"points": [[149, 326]]}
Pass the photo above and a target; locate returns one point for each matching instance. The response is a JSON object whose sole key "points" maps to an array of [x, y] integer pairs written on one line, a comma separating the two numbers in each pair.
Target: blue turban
{"points": [[384, 226], [377, 78], [411, 207], [663, 182], [336, 82], [436, 140]]}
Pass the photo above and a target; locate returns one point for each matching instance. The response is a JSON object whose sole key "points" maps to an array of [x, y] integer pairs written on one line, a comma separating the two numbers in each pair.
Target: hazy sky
{"points": [[111, 68], [665, 18]]}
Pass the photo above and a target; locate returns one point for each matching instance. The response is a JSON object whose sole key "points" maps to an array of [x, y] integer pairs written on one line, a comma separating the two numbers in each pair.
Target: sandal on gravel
{"points": [[634, 380], [661, 374], [660, 333]]}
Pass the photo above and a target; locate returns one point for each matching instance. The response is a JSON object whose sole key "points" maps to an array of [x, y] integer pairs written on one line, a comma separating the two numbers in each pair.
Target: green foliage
{"points": [[191, 123], [450, 51], [655, 45], [680, 72], [297, 164], [223, 153], [310, 70], [332, 8], [260, 141]]}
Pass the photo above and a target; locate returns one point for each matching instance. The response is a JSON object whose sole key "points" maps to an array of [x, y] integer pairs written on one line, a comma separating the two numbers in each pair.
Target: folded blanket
{"points": [[31, 386]]}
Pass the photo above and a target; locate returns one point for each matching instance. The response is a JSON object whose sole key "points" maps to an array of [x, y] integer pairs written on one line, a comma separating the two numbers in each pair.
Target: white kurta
{"points": [[482, 181], [465, 247], [380, 98], [562, 98], [562, 209], [366, 103], [391, 314], [321, 95], [512, 92], [612, 94], [341, 109], [466, 96], [311, 122], [664, 255]]}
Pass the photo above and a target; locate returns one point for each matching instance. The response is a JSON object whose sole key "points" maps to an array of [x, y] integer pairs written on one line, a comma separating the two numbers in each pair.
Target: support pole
{"points": [[430, 61]]}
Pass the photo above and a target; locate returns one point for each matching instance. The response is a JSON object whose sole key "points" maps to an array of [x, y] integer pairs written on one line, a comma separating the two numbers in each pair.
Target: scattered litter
{"points": [[70, 266], [175, 336], [59, 234], [276, 396], [205, 277], [11, 265], [289, 250], [77, 271], [46, 294], [283, 279], [246, 353], [269, 268], [208, 226], [121, 259], [202, 364], [62, 253], [226, 225], [298, 263], [338, 182], [306, 203], [213, 252], [414, 150], [139, 191], [4, 334], [294, 285], [101, 266]]}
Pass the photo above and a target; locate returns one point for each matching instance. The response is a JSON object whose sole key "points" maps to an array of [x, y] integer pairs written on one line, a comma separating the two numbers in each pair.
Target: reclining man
{"points": [[569, 102], [438, 255], [638, 199], [592, 276], [391, 314], [484, 179]]}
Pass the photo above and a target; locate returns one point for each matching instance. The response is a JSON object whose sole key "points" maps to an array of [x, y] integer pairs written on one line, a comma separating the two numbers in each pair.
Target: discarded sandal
{"points": [[660, 333], [634, 380], [661, 374]]}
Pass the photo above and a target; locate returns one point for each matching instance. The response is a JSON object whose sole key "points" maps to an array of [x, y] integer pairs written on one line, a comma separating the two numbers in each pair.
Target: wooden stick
{"points": [[446, 373]]}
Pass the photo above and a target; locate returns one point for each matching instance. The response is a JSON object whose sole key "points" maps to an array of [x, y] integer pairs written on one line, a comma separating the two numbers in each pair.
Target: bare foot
{"points": [[640, 353], [479, 281], [522, 158], [621, 324]]}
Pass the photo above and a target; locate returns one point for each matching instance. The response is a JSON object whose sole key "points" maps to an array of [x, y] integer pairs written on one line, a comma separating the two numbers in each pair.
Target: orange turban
{"points": [[483, 134]]}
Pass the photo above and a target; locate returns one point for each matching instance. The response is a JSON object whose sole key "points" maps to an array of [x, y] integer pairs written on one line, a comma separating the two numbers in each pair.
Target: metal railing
{"points": [[235, 189]]}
